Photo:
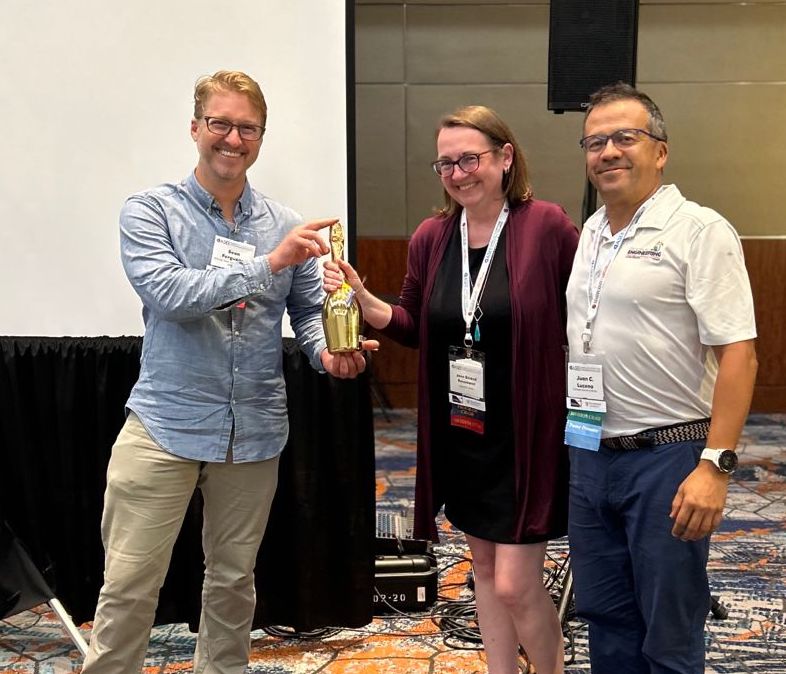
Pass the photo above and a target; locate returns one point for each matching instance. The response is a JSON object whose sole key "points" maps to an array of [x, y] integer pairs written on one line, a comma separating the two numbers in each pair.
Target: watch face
{"points": [[727, 461]]}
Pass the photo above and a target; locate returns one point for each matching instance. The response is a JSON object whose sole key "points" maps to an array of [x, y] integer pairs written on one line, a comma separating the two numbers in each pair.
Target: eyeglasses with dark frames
{"points": [[223, 127], [622, 139], [468, 163]]}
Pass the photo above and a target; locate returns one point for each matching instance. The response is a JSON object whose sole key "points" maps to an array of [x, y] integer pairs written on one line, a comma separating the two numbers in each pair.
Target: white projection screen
{"points": [[95, 104]]}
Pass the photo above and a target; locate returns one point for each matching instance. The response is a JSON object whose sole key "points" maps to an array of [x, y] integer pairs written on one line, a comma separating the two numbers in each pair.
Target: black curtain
{"points": [[62, 402]]}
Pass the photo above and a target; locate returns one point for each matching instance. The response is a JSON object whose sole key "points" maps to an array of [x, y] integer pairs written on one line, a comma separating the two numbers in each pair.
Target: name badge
{"points": [[585, 380], [466, 389], [586, 406], [227, 253], [466, 377]]}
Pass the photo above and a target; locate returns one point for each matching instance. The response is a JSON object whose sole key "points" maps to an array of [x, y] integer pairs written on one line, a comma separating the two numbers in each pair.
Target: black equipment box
{"points": [[405, 575]]}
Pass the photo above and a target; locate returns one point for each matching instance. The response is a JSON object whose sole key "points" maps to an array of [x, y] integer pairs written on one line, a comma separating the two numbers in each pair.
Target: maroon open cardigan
{"points": [[540, 244]]}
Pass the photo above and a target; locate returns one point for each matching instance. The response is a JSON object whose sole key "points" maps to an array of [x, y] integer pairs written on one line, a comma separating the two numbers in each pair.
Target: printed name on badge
{"points": [[585, 380], [466, 377], [227, 253]]}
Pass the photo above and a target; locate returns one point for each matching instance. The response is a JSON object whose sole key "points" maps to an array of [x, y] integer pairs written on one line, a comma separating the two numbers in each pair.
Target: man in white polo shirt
{"points": [[660, 377]]}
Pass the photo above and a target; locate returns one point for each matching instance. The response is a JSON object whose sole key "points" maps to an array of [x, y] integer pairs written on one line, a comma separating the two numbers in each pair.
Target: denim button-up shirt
{"points": [[209, 362]]}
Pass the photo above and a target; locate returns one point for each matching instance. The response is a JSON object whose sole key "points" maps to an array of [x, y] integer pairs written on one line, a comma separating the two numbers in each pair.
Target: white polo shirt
{"points": [[677, 286]]}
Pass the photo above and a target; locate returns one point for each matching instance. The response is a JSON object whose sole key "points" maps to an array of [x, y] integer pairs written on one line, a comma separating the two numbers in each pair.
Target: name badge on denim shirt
{"points": [[227, 253]]}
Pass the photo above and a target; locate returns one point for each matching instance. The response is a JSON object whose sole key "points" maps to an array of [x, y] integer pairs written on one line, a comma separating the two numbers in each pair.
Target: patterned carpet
{"points": [[747, 573]]}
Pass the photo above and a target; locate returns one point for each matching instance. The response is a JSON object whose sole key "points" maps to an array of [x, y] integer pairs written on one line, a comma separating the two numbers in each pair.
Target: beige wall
{"points": [[716, 69]]}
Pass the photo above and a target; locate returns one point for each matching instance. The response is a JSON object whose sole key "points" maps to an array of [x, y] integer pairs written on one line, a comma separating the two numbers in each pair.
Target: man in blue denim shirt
{"points": [[215, 263]]}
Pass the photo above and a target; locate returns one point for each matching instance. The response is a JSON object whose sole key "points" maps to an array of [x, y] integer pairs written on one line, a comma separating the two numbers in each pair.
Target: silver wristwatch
{"points": [[725, 460]]}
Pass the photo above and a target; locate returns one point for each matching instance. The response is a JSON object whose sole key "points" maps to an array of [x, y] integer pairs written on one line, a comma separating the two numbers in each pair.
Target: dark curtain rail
{"points": [[61, 407]]}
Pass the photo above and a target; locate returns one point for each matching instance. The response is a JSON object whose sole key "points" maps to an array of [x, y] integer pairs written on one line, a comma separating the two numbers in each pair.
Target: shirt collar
{"points": [[208, 201], [665, 202]]}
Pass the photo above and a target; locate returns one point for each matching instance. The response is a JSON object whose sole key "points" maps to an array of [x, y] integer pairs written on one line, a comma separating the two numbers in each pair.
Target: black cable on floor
{"points": [[289, 633], [458, 620]]}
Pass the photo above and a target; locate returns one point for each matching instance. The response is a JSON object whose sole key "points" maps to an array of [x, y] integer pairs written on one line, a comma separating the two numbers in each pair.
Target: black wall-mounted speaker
{"points": [[591, 43]]}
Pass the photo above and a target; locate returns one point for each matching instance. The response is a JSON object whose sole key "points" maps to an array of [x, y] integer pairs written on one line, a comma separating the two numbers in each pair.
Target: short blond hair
{"points": [[228, 80]]}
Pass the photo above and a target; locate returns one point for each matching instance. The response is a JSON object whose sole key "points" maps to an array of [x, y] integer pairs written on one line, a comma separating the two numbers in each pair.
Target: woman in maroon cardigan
{"points": [[484, 300]]}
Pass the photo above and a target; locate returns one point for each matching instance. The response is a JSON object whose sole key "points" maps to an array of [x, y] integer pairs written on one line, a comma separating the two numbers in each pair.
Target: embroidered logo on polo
{"points": [[655, 253]]}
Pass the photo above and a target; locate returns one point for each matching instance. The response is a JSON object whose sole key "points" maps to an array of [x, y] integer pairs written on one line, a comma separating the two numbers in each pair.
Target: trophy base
{"points": [[345, 346], [343, 349]]}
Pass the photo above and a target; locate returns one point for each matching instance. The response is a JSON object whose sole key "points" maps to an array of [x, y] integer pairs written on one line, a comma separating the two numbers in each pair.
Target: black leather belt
{"points": [[663, 435]]}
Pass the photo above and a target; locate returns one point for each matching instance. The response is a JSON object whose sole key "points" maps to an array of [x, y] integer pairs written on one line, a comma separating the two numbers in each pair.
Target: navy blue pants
{"points": [[643, 592]]}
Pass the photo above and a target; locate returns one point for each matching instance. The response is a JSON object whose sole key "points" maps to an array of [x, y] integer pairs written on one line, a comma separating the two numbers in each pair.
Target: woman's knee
{"points": [[508, 591], [517, 592]]}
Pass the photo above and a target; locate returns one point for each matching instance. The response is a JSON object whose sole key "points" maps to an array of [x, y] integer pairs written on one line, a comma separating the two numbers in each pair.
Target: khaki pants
{"points": [[147, 494]]}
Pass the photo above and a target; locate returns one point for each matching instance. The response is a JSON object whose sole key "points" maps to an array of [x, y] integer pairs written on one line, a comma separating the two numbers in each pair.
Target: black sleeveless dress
{"points": [[474, 472]]}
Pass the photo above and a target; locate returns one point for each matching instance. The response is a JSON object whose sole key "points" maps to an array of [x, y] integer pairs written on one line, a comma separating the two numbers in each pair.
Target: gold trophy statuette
{"points": [[341, 314]]}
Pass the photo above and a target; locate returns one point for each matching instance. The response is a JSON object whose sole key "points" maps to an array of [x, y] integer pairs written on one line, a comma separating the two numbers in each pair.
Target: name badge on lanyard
{"points": [[586, 407], [585, 403], [585, 400], [467, 389]]}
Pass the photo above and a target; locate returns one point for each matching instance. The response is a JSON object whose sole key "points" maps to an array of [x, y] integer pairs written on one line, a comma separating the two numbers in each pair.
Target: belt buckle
{"points": [[645, 439]]}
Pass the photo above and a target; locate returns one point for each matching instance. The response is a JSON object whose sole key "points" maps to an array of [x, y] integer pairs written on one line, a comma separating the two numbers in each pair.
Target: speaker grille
{"points": [[591, 44]]}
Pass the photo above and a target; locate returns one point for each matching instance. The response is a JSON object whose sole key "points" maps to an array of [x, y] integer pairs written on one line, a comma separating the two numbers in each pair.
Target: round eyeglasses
{"points": [[622, 139], [468, 163], [223, 127]]}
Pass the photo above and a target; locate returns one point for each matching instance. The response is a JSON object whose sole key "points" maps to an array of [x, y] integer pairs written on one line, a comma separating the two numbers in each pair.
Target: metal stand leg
{"points": [[566, 595], [718, 610], [72, 629]]}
